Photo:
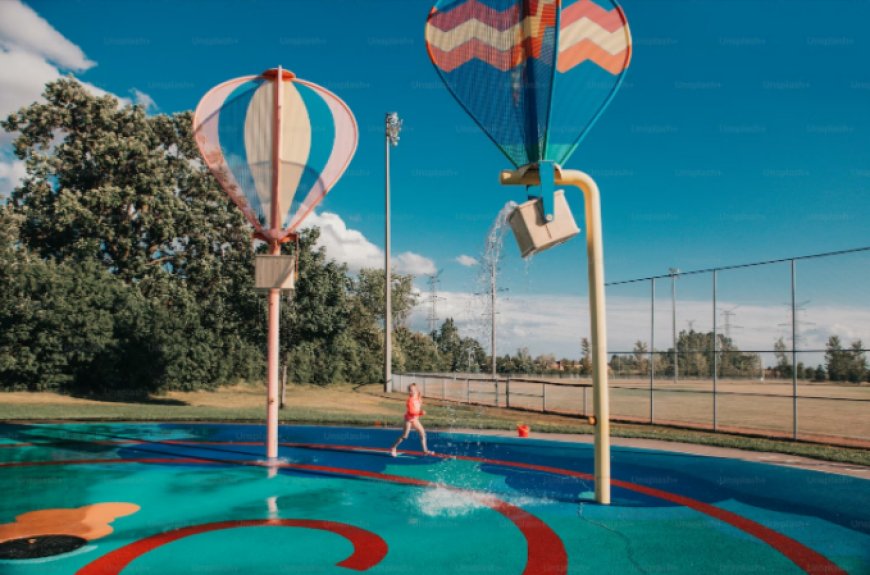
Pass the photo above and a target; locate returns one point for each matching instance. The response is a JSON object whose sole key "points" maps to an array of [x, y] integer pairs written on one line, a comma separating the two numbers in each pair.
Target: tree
{"points": [[837, 360], [472, 356], [421, 353], [641, 357], [449, 345], [544, 363], [369, 288], [71, 326], [857, 363], [783, 364], [316, 321], [110, 186], [522, 362]]}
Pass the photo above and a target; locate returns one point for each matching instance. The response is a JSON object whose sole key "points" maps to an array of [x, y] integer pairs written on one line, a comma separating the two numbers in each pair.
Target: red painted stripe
{"points": [[368, 548]]}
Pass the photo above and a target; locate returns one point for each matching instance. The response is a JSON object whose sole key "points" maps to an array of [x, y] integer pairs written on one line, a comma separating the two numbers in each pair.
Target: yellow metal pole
{"points": [[595, 254]]}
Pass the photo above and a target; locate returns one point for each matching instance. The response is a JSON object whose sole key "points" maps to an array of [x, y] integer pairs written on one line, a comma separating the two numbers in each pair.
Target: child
{"points": [[414, 411]]}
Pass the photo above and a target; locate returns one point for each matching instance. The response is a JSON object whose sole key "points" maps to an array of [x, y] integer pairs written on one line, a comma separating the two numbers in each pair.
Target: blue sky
{"points": [[742, 132]]}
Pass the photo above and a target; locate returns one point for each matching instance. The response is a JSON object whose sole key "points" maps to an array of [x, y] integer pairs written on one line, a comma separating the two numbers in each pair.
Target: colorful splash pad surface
{"points": [[198, 498]]}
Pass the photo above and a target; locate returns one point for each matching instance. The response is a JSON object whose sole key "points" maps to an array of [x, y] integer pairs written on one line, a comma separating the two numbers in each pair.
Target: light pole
{"points": [[393, 126], [674, 272]]}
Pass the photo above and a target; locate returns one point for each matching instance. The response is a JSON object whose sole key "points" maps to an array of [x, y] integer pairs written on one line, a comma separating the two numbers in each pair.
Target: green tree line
{"points": [[695, 358]]}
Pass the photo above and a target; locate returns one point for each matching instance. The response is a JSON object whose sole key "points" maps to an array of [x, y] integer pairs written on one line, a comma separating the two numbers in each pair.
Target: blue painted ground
{"points": [[184, 475]]}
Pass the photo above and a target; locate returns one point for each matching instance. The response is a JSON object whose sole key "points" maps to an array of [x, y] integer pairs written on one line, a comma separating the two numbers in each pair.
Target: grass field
{"points": [[367, 405]]}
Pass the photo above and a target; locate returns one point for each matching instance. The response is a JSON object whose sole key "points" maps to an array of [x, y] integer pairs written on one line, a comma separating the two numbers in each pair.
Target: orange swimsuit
{"points": [[414, 408]]}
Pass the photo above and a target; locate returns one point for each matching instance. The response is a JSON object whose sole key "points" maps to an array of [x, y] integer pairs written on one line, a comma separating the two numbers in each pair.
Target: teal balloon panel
{"points": [[275, 150], [534, 74]]}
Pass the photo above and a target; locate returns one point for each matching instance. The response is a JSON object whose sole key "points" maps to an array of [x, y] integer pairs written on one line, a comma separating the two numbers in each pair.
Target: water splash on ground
{"points": [[442, 502]]}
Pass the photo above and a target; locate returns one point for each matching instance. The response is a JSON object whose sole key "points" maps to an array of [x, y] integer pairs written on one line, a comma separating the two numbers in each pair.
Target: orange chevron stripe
{"points": [[588, 50], [610, 21]]}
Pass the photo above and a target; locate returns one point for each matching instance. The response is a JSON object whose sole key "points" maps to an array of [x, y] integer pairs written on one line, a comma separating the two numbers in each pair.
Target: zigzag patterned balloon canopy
{"points": [[276, 146], [534, 74]]}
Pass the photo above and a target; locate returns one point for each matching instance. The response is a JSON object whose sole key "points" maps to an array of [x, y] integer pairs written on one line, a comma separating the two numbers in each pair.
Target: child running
{"points": [[413, 412]]}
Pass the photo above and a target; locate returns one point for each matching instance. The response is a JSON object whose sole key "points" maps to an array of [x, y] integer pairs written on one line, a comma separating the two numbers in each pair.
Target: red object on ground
{"points": [[523, 430]]}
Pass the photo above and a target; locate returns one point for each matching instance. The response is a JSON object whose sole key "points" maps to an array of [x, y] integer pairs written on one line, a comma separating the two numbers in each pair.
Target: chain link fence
{"points": [[775, 348]]}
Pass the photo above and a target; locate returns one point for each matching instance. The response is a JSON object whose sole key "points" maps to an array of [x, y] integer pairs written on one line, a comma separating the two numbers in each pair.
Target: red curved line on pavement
{"points": [[545, 552], [368, 548], [544, 549], [807, 559]]}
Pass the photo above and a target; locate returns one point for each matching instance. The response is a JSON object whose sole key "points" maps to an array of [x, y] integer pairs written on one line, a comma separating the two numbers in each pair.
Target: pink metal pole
{"points": [[274, 294], [272, 402]]}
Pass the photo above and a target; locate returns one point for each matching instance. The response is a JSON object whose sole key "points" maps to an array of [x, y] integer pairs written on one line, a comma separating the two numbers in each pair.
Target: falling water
{"points": [[479, 325], [489, 266], [495, 242]]}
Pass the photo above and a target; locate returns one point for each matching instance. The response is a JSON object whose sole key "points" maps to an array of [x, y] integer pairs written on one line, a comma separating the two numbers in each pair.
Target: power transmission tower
{"points": [[794, 318], [432, 300], [728, 314]]}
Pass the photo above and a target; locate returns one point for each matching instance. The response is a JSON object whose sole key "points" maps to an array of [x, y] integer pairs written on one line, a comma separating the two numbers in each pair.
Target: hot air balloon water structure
{"points": [[276, 145], [535, 75]]}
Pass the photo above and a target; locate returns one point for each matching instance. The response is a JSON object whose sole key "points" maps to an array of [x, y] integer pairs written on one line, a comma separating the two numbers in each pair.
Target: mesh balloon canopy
{"points": [[235, 128], [533, 74]]}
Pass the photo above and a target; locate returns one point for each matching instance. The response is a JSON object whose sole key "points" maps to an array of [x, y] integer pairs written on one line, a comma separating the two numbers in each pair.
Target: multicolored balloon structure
{"points": [[276, 145], [534, 74], [275, 157]]}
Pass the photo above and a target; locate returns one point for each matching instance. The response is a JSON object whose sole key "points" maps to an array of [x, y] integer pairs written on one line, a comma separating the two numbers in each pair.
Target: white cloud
{"points": [[22, 29], [467, 261], [23, 76], [343, 244], [143, 99], [353, 248], [415, 264], [11, 173], [33, 53]]}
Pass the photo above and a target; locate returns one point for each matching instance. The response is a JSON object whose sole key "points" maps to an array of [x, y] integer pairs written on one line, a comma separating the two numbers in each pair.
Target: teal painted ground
{"points": [[191, 475]]}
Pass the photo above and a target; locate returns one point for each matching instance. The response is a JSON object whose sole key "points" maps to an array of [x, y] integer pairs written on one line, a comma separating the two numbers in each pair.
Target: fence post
{"points": [[585, 411], [443, 388], [467, 391], [544, 397], [715, 358], [507, 393], [424, 386], [794, 406]]}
